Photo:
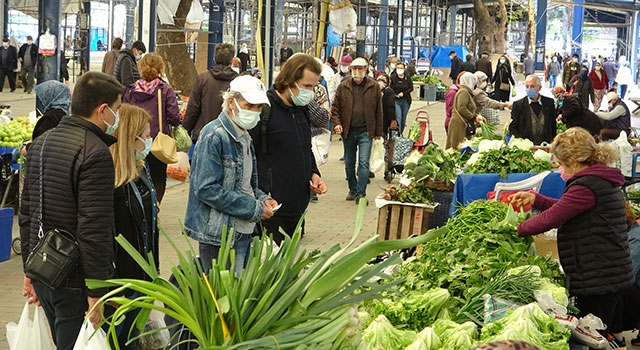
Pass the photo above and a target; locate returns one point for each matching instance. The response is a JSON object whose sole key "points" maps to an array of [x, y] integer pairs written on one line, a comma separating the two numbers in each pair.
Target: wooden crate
{"points": [[397, 221]]}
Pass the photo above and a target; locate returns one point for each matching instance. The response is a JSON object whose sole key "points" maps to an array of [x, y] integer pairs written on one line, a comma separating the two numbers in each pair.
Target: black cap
{"points": [[29, 37], [451, 52]]}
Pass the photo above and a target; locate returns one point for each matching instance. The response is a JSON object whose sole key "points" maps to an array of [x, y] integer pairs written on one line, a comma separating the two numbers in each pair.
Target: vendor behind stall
{"points": [[592, 229]]}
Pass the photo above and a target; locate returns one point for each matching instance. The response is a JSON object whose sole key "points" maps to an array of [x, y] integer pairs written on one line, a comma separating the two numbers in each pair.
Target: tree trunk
{"points": [[529, 45], [490, 35], [171, 45]]}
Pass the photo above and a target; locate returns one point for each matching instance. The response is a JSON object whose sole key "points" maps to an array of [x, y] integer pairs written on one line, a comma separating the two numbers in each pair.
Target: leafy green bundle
{"points": [[477, 249], [435, 164], [507, 160]]}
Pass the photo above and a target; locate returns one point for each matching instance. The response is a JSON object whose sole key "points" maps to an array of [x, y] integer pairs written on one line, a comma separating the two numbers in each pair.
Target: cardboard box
{"points": [[400, 220], [546, 245]]}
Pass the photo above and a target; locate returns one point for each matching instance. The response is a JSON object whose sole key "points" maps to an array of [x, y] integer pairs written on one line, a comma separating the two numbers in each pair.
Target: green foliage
{"points": [[507, 160]]}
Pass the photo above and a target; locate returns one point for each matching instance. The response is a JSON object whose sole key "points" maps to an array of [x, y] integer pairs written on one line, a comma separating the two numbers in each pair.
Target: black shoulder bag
{"points": [[57, 252]]}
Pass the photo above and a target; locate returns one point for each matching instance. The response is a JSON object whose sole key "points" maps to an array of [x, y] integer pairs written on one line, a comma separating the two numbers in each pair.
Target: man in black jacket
{"points": [[69, 183], [205, 102], [533, 117], [456, 66], [28, 56], [287, 169], [469, 65], [484, 65], [8, 63], [126, 69]]}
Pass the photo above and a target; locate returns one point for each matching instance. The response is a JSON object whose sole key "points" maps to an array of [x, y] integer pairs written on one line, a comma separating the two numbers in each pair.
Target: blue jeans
{"points": [[242, 245], [402, 109], [357, 141], [552, 81], [611, 81], [123, 329]]}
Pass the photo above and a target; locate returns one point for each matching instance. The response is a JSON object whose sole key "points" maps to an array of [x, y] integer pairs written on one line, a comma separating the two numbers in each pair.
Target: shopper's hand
{"points": [[317, 185], [508, 105], [29, 292], [268, 212], [520, 199], [480, 119], [95, 316], [393, 125], [559, 117], [338, 129]]}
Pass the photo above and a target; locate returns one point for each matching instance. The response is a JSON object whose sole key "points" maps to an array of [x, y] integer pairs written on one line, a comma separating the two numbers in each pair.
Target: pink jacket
{"points": [[448, 103]]}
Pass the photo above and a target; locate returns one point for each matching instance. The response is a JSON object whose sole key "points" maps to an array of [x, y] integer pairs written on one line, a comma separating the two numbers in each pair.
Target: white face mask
{"points": [[598, 67], [503, 60], [29, 42], [358, 76], [140, 155], [245, 119], [483, 85], [5, 45], [344, 69], [303, 97], [392, 66], [400, 71], [236, 69]]}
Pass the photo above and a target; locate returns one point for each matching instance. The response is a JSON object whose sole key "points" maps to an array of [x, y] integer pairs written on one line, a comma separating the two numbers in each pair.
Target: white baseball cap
{"points": [[359, 62], [251, 89], [612, 95]]}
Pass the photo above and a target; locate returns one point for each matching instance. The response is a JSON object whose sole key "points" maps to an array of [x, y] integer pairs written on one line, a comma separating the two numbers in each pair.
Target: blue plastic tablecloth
{"points": [[470, 187]]}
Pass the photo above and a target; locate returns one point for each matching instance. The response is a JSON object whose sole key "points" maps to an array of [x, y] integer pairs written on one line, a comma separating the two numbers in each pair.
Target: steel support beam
{"points": [[216, 16], [541, 33], [48, 67]]}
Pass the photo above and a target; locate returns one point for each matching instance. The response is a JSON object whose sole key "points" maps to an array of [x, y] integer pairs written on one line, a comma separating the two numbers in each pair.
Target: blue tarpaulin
{"points": [[440, 55]]}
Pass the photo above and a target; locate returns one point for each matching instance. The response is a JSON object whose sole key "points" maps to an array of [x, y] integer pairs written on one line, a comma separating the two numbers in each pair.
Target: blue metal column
{"points": [[541, 33], [87, 50], [362, 25], [129, 22], [267, 33], [140, 21], [216, 15], [5, 20], [151, 45], [452, 24], [635, 31], [383, 35], [48, 67], [576, 29]]}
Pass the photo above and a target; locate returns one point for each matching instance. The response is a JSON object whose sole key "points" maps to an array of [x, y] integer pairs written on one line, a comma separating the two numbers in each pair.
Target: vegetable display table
{"points": [[470, 187]]}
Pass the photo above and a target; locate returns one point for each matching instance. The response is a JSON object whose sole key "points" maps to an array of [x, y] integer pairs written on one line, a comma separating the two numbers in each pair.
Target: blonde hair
{"points": [[577, 145], [133, 121], [151, 66]]}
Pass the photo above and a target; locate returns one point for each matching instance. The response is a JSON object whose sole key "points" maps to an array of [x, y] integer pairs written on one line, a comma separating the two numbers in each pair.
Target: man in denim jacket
{"points": [[223, 190]]}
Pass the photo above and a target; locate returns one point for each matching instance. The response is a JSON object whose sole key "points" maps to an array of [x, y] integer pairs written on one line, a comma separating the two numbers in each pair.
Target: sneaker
{"points": [[351, 196], [372, 175], [616, 343]]}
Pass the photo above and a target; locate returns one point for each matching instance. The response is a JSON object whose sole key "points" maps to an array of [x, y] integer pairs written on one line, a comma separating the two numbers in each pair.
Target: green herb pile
{"points": [[507, 160], [444, 284], [560, 127], [488, 131], [435, 164]]}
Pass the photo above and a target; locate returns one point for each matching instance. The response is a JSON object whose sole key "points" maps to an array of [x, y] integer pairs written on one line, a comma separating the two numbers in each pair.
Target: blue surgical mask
{"points": [[245, 119], [532, 93], [303, 98], [140, 155], [112, 128]]}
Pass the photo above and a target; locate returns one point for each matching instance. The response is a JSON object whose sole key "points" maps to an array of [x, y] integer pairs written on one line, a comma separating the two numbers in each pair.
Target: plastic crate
{"points": [[398, 221], [440, 215], [6, 226]]}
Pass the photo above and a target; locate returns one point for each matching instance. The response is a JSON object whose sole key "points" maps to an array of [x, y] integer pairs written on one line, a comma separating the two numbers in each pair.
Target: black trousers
{"points": [[609, 307], [65, 309], [158, 171], [287, 223], [7, 72]]}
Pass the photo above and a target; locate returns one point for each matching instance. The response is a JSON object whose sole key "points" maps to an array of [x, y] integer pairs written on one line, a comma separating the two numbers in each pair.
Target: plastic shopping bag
{"points": [[28, 334], [320, 146], [196, 13], [376, 161], [625, 154], [90, 339], [183, 140], [179, 171], [343, 17], [156, 335]]}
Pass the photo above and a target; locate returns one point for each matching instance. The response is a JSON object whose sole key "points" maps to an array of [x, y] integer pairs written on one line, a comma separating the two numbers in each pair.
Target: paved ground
{"points": [[330, 221]]}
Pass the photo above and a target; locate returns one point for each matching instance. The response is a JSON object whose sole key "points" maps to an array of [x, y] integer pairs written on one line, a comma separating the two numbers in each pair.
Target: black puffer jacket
{"points": [[594, 246], [77, 190], [126, 70]]}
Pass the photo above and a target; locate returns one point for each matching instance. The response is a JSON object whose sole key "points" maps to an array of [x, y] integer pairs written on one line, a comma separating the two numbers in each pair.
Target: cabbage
{"points": [[524, 144], [474, 157], [456, 336], [418, 345], [381, 334], [559, 294], [542, 155], [429, 337], [487, 145]]}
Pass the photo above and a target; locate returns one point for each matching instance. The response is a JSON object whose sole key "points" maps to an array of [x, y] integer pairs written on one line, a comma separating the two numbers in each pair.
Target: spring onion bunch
{"points": [[284, 298]]}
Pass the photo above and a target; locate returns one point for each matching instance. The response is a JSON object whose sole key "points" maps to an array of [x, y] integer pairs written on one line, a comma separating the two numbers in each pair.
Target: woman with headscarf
{"points": [[485, 106], [464, 111], [503, 79], [243, 55], [53, 99]]}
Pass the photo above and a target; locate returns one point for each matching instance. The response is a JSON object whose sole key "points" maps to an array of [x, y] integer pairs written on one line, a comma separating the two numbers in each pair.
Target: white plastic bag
{"points": [[625, 150], [27, 334], [343, 19], [320, 146], [159, 339], [587, 334], [376, 161], [90, 340], [196, 14], [180, 171]]}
